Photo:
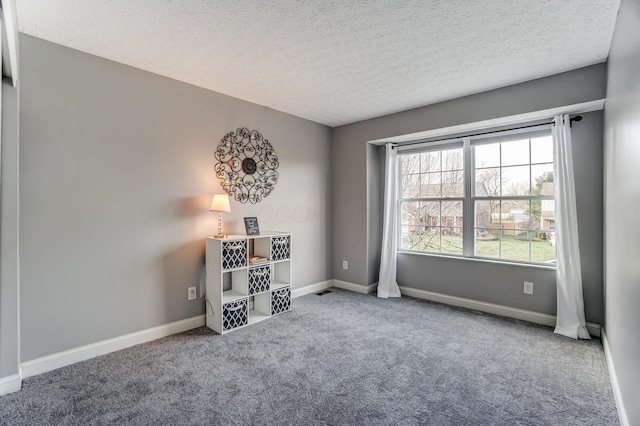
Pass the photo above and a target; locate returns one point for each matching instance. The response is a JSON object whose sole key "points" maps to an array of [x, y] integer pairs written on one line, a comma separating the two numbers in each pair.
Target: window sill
{"points": [[481, 259]]}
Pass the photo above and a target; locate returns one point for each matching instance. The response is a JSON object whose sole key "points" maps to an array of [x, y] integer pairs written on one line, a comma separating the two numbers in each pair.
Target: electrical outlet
{"points": [[345, 264], [191, 293], [528, 287]]}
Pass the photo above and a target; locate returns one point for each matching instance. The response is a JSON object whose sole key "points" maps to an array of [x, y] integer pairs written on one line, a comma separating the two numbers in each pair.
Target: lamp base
{"points": [[220, 235]]}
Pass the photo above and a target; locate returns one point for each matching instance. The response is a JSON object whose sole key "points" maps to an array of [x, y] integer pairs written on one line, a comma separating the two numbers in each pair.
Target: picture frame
{"points": [[251, 226]]}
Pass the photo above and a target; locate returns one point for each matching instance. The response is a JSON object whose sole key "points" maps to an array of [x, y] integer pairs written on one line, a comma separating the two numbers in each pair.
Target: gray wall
{"points": [[622, 204], [375, 189], [355, 168], [9, 338], [588, 154], [116, 177]]}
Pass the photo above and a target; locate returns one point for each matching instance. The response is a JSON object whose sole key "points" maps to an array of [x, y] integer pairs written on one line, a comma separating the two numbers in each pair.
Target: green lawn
{"points": [[513, 247]]}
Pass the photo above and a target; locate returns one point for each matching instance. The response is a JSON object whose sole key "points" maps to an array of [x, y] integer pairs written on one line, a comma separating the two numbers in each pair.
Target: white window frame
{"points": [[453, 144], [470, 198]]}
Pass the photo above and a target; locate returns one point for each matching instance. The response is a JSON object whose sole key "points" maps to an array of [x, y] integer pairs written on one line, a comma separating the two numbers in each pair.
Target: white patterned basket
{"points": [[259, 279], [281, 301], [234, 254], [234, 314], [280, 248]]}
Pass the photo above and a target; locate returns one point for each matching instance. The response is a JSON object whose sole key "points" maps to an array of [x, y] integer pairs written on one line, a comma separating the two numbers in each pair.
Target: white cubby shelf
{"points": [[240, 293]]}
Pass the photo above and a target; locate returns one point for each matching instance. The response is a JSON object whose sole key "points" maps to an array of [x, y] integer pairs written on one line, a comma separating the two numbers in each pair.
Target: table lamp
{"points": [[220, 203]]}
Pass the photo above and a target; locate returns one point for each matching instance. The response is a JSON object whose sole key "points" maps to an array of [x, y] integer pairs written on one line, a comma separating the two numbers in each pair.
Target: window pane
{"points": [[410, 238], [410, 163], [452, 159], [498, 216], [488, 244], [542, 179], [487, 155], [521, 226], [431, 185], [431, 161], [483, 214], [452, 240], [542, 150], [547, 215], [507, 225], [543, 247], [453, 184], [515, 180], [515, 245], [410, 213], [411, 186], [451, 215], [515, 152], [522, 216], [487, 182], [431, 242], [430, 216], [536, 209]]}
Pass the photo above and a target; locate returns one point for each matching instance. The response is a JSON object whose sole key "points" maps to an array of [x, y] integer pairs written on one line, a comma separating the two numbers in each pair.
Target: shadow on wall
{"points": [[193, 206]]}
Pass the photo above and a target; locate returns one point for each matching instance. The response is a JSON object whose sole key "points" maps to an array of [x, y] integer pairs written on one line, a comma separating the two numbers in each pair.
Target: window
{"points": [[432, 198], [489, 197]]}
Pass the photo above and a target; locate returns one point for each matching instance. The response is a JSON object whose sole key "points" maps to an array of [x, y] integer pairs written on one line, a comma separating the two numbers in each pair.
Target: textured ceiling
{"points": [[331, 61]]}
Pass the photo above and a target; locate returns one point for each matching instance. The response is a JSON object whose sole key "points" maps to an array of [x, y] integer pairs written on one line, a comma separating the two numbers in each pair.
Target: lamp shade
{"points": [[220, 203]]}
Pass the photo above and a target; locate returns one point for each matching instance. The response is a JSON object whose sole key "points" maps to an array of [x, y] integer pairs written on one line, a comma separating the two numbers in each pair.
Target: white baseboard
{"points": [[491, 308], [356, 288], [311, 288], [10, 384], [617, 394], [82, 353]]}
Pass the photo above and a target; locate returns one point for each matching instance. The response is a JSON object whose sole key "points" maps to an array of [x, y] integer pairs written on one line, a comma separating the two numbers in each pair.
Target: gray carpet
{"points": [[341, 358]]}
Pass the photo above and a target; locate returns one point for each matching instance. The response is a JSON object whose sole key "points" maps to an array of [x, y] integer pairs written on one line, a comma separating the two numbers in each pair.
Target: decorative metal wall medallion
{"points": [[246, 165]]}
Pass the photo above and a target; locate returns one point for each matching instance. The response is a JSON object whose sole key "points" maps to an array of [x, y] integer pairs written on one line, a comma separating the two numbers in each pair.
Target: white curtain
{"points": [[387, 284], [570, 311]]}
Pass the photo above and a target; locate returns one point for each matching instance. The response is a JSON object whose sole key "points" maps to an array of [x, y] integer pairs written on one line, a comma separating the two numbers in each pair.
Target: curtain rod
{"points": [[571, 120]]}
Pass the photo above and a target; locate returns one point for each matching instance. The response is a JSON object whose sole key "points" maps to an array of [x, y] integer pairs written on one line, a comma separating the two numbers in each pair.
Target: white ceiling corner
{"points": [[330, 61]]}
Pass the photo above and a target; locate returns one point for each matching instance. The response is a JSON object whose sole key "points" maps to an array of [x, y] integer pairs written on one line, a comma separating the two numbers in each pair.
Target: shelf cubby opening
{"points": [[281, 274], [259, 307], [234, 285], [259, 246]]}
